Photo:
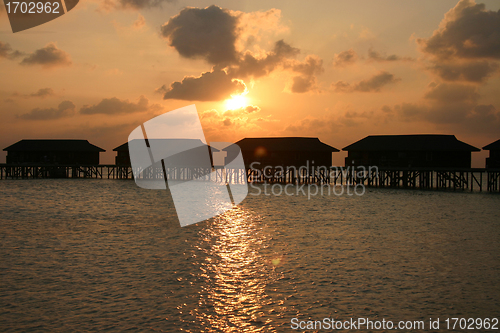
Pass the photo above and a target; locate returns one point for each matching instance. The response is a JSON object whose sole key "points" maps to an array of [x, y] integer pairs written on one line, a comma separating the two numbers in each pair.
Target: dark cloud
{"points": [[410, 111], [252, 66], [140, 4], [466, 44], [208, 33], [48, 57], [467, 31], [43, 92], [302, 84], [241, 111], [310, 67], [472, 71], [373, 84], [65, 109], [109, 5], [212, 34], [472, 118], [345, 58], [446, 103], [210, 86], [450, 93], [112, 106], [376, 82], [483, 119], [220, 84], [376, 56], [341, 86], [7, 52]]}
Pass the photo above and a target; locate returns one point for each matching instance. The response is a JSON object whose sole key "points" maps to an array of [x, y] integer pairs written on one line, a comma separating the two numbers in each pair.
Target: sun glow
{"points": [[236, 102]]}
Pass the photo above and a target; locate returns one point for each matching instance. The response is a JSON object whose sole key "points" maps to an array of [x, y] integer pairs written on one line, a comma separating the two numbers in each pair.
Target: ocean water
{"points": [[104, 255]]}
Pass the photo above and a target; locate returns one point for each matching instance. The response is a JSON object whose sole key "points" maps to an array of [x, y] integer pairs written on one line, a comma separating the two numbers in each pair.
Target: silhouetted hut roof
{"points": [[493, 146], [416, 142], [123, 147], [286, 144], [54, 145], [190, 143]]}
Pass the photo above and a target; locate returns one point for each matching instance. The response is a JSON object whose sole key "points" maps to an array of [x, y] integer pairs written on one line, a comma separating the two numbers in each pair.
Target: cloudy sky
{"points": [[337, 70]]}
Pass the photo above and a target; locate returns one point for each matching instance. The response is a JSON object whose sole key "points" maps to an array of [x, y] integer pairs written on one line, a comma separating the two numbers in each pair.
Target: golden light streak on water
{"points": [[235, 274]]}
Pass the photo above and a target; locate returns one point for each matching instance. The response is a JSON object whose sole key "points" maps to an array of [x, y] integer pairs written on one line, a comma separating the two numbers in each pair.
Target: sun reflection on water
{"points": [[234, 275]]}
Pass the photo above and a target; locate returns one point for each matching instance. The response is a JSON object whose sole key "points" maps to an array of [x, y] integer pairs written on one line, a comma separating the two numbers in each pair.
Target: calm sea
{"points": [[105, 255]]}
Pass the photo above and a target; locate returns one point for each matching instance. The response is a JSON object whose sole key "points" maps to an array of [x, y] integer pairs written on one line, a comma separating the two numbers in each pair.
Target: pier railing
{"points": [[111, 171], [473, 179], [420, 178]]}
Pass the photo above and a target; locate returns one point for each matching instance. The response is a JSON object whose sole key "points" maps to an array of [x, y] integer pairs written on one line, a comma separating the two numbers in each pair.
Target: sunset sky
{"points": [[337, 70]]}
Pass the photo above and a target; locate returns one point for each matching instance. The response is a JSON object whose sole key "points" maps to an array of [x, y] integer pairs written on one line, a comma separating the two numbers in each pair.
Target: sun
{"points": [[236, 102]]}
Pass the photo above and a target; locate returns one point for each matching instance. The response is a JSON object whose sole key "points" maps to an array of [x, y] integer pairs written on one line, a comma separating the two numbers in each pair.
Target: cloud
{"points": [[310, 67], [471, 118], [341, 86], [49, 56], [251, 66], [220, 84], [483, 119], [137, 25], [41, 93], [373, 84], [65, 109], [448, 104], [345, 58], [132, 4], [207, 33], [302, 84], [113, 106], [253, 27], [242, 111], [219, 36], [210, 86], [475, 71], [466, 45], [7, 52], [237, 118], [376, 56], [467, 31], [452, 93]]}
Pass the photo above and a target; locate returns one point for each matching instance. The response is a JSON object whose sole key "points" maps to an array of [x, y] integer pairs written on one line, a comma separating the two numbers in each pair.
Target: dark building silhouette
{"points": [[122, 155], [180, 152], [494, 160], [422, 150], [286, 151], [69, 152]]}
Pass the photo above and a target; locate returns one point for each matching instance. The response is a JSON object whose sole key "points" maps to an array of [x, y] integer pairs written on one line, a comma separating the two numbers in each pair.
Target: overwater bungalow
{"points": [[421, 150], [286, 151], [493, 161], [179, 152], [62, 152]]}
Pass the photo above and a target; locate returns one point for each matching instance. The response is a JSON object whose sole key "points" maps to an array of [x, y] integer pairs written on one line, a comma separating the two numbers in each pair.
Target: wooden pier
{"points": [[111, 171], [473, 179], [22, 171], [470, 179]]}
